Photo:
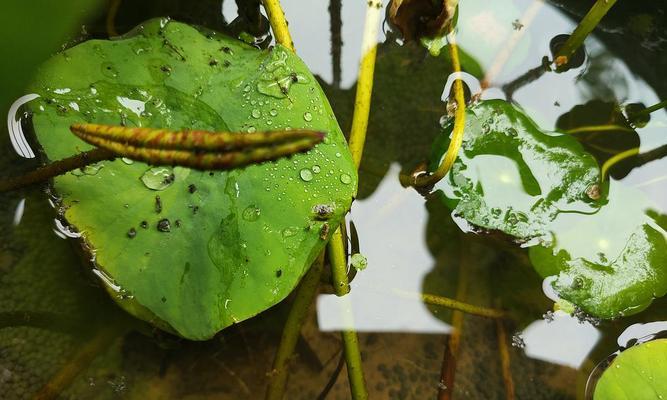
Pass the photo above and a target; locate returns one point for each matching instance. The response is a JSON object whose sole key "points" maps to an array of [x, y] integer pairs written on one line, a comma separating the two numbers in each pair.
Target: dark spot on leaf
{"points": [[158, 204], [192, 188], [164, 225], [178, 223], [144, 224], [279, 273], [132, 233], [213, 62], [164, 299]]}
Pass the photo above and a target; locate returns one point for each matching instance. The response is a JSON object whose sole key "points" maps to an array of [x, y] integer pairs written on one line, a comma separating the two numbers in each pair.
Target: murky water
{"points": [[58, 324]]}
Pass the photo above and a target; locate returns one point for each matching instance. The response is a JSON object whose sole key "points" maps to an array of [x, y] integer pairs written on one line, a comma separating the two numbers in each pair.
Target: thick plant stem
{"points": [[457, 132], [297, 315], [56, 168], [355, 373], [584, 28], [338, 262], [362, 100], [278, 23]]}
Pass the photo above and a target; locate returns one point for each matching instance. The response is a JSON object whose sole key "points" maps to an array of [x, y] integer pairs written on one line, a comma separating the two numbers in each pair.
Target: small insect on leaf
{"points": [[198, 149]]}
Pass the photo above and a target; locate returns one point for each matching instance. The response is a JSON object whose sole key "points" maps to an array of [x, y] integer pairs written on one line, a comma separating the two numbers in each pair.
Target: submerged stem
{"points": [[457, 132], [607, 165], [100, 342], [649, 110], [504, 354], [598, 128], [278, 23], [584, 28], [56, 168], [297, 315], [455, 305]]}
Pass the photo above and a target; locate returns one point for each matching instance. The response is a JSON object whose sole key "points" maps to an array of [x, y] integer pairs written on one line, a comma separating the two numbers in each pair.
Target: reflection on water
{"points": [[398, 260], [411, 244]]}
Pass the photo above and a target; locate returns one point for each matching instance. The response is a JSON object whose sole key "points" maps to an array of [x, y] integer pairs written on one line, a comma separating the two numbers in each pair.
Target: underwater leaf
{"points": [[606, 254], [639, 372], [193, 251]]}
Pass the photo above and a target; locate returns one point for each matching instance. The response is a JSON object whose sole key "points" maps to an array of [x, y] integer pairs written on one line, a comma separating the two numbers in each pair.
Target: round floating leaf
{"points": [[198, 250], [606, 255], [639, 372]]}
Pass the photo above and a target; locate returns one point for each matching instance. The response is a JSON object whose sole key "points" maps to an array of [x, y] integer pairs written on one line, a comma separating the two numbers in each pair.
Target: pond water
{"points": [[59, 328]]}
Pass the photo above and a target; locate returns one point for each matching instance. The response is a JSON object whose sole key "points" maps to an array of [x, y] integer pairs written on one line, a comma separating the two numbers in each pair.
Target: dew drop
{"points": [[307, 116], [273, 112], [306, 174], [316, 169], [127, 161], [251, 129], [158, 178], [251, 213], [346, 179], [289, 231], [256, 113]]}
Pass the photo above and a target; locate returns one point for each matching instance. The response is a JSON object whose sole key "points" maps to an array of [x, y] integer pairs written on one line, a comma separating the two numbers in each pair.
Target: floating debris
{"points": [[517, 341]]}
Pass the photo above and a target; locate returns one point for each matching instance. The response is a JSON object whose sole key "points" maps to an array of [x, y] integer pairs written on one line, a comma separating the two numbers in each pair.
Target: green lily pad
{"points": [[512, 177], [639, 372], [215, 248], [606, 255]]}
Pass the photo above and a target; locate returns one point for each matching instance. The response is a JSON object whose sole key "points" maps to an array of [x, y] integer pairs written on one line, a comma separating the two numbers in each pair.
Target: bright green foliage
{"points": [[639, 372], [219, 247], [606, 254]]}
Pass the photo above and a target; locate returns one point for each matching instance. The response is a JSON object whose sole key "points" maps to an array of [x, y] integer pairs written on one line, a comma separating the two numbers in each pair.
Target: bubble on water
{"points": [[251, 213], [346, 179], [306, 174], [256, 113], [358, 261], [307, 116], [158, 178]]}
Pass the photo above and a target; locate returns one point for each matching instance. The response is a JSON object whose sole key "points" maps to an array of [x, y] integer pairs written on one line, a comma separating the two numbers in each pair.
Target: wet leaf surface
{"points": [[603, 250], [210, 256], [639, 372]]}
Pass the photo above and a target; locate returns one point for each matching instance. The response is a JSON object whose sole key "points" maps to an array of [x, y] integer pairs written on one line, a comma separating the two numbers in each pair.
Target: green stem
{"points": [[297, 315], [362, 100], [56, 168], [355, 372], [649, 110], [584, 28], [278, 23], [425, 179], [338, 263]]}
